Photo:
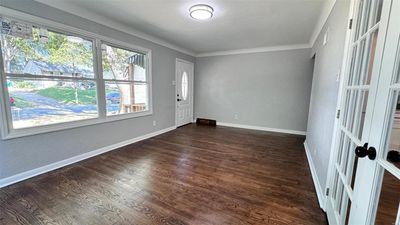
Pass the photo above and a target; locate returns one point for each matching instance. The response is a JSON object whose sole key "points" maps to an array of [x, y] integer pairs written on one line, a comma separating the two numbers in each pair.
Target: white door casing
{"points": [[184, 92]]}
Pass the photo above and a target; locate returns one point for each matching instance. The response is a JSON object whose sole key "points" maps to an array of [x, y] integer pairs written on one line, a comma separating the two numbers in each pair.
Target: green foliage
{"points": [[67, 95], [24, 84], [63, 52], [116, 59], [57, 50]]}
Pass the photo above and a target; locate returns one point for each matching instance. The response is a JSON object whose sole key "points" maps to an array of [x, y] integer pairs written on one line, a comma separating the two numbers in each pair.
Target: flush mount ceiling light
{"points": [[201, 12]]}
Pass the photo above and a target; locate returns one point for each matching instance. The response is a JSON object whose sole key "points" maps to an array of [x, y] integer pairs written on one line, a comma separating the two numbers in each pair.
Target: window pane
{"points": [[38, 51], [126, 97], [43, 102], [121, 64]]}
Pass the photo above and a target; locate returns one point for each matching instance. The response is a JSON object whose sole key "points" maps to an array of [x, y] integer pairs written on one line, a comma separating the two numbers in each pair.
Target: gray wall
{"points": [[324, 92], [269, 89], [22, 154]]}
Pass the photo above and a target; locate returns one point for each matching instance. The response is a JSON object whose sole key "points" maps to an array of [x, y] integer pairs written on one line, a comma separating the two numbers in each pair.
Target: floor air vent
{"points": [[208, 122]]}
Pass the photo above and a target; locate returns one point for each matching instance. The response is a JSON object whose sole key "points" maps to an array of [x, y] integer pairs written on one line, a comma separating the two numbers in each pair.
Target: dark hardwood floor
{"points": [[192, 175]]}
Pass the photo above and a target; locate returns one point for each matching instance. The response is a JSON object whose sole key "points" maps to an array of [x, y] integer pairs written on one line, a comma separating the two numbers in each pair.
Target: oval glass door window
{"points": [[185, 85]]}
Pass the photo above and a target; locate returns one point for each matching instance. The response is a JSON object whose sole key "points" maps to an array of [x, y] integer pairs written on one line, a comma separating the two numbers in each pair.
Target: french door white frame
{"points": [[343, 78], [191, 91]]}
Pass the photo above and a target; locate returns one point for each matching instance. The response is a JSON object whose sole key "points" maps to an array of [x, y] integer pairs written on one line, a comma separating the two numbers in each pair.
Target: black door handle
{"points": [[179, 99], [362, 151]]}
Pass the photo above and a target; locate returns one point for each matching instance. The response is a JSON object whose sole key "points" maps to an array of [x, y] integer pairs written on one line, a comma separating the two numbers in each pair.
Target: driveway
{"points": [[44, 106]]}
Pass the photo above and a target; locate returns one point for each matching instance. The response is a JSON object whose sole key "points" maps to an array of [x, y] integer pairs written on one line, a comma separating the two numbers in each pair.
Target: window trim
{"points": [[7, 131]]}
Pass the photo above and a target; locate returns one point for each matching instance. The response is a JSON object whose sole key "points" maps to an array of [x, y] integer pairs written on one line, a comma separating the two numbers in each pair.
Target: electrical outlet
{"points": [[236, 116], [173, 82], [154, 123]]}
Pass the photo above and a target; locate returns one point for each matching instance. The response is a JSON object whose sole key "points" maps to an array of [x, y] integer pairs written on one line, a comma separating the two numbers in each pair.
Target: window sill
{"points": [[17, 133]]}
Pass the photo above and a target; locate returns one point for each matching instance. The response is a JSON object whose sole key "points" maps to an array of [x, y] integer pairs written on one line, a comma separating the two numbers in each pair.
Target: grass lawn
{"points": [[21, 103], [67, 95]]}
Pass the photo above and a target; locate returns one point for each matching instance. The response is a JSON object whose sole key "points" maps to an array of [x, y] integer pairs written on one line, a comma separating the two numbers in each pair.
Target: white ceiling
{"points": [[237, 24]]}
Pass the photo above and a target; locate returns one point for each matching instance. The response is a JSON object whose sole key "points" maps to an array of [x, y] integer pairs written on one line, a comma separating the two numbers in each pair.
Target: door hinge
{"points": [[327, 192], [338, 114], [351, 24]]}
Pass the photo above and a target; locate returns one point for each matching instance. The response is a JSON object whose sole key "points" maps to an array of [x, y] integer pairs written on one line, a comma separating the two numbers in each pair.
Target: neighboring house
{"points": [[43, 68]]}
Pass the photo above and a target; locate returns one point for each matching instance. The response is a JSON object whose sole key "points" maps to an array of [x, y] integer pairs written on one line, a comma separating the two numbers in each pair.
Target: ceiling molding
{"points": [[326, 11], [255, 50], [64, 6]]}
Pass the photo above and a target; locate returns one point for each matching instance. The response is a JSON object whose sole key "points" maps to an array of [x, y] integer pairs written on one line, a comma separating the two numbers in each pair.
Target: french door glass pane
{"points": [[352, 65], [335, 185], [344, 156], [397, 74], [339, 196], [359, 127], [341, 145], [392, 154], [389, 200], [366, 14], [351, 108], [376, 14], [343, 206], [348, 212], [44, 102], [350, 162], [359, 63], [359, 19], [353, 174], [370, 58]]}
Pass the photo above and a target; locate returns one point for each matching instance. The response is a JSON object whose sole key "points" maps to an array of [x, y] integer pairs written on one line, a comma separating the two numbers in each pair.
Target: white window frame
{"points": [[7, 131], [147, 81]]}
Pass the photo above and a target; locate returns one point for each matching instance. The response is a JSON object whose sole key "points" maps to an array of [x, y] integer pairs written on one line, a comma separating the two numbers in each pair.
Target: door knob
{"points": [[362, 151]]}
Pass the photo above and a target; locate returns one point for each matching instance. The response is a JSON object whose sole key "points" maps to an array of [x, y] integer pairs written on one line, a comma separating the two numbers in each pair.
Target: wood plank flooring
{"points": [[192, 175]]}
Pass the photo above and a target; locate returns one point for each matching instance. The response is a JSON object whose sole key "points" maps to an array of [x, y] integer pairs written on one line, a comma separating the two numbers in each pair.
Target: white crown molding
{"points": [[326, 11], [64, 6], [255, 50]]}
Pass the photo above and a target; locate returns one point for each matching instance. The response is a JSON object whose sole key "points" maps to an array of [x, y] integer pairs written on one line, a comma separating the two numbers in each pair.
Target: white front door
{"points": [[184, 92], [368, 122]]}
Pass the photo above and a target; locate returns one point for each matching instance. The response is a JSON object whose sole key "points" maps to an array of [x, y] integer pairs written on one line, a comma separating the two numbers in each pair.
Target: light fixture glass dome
{"points": [[201, 12]]}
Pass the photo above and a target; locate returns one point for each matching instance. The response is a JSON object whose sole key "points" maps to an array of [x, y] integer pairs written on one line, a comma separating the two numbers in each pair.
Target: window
{"points": [[55, 79], [125, 77], [49, 77]]}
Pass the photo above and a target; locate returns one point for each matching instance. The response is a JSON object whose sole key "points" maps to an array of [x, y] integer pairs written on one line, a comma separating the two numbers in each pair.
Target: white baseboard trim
{"points": [[320, 193], [277, 130], [53, 166]]}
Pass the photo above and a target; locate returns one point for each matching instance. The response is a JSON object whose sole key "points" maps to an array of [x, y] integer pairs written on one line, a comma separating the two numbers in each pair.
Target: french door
{"points": [[365, 184]]}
